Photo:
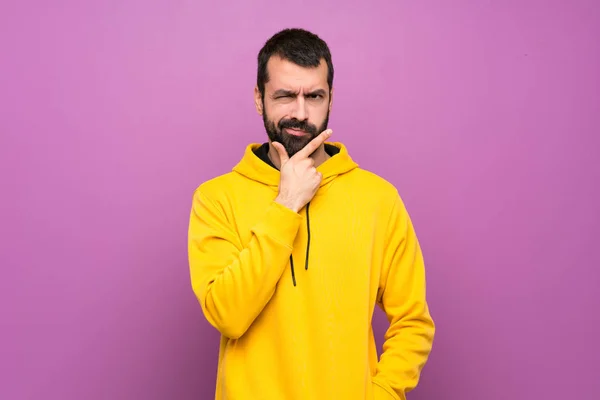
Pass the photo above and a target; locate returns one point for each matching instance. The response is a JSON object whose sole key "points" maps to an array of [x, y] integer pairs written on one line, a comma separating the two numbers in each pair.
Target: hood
{"points": [[255, 165], [252, 167]]}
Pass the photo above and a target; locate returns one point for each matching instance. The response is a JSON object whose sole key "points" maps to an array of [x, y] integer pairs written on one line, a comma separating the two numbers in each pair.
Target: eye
{"points": [[314, 96]]}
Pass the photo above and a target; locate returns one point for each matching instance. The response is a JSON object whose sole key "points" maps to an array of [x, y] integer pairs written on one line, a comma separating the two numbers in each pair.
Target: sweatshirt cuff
{"points": [[280, 224]]}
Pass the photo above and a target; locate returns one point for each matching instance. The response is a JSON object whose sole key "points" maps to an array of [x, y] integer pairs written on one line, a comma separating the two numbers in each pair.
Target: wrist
{"points": [[288, 203]]}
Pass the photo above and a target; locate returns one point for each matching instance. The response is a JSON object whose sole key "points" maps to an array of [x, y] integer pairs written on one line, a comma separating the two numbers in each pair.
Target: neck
{"points": [[319, 156]]}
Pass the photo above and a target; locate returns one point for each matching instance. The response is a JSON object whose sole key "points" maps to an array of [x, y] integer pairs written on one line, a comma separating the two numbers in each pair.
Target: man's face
{"points": [[296, 103]]}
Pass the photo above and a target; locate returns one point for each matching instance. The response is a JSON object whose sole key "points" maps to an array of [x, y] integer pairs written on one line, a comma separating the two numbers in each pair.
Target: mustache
{"points": [[296, 124]]}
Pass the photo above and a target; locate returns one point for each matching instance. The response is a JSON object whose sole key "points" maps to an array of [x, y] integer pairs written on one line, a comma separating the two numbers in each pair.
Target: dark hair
{"points": [[299, 46]]}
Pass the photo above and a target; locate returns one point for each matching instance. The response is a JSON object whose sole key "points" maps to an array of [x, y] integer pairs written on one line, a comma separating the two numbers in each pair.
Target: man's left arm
{"points": [[401, 295]]}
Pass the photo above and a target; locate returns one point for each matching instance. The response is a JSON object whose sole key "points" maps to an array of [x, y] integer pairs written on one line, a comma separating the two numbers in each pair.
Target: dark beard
{"points": [[292, 144]]}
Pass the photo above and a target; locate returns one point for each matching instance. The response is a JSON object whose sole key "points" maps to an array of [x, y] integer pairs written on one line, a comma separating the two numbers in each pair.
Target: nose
{"points": [[299, 111]]}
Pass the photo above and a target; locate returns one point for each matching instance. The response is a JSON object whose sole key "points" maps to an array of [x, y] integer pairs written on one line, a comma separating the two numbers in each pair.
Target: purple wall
{"points": [[484, 114]]}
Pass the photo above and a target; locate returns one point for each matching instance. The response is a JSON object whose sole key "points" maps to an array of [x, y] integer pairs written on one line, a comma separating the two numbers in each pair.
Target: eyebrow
{"points": [[284, 92]]}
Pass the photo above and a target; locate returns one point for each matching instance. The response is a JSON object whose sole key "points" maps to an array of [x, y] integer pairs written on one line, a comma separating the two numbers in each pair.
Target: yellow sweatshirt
{"points": [[293, 294]]}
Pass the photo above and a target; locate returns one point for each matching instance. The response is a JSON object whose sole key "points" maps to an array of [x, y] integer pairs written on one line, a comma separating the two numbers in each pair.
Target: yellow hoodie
{"points": [[293, 294]]}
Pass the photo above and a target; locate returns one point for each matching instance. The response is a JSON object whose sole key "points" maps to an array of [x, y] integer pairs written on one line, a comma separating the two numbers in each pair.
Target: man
{"points": [[290, 252]]}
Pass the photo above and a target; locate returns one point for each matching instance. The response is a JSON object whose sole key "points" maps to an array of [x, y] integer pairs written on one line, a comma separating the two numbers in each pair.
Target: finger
{"points": [[314, 144], [283, 155], [307, 163]]}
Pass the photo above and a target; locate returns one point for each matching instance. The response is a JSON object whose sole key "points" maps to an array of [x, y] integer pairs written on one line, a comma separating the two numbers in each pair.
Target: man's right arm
{"points": [[232, 282]]}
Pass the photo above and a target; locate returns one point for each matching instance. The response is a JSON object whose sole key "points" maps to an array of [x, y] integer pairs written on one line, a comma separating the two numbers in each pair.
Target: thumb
{"points": [[283, 155]]}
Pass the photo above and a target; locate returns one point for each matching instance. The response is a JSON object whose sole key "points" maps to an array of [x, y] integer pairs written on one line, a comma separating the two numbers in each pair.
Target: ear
{"points": [[330, 99], [258, 101]]}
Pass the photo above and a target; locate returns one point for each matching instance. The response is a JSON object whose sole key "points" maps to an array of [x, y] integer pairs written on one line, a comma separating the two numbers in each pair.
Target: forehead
{"points": [[284, 74]]}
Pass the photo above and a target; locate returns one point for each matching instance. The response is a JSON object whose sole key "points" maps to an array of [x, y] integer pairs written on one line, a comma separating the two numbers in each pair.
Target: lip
{"points": [[294, 132]]}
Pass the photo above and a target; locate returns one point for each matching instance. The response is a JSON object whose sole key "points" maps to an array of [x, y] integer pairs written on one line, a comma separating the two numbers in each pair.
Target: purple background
{"points": [[484, 114]]}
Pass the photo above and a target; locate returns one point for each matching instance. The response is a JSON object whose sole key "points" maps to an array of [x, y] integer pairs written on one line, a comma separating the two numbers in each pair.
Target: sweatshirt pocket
{"points": [[379, 393]]}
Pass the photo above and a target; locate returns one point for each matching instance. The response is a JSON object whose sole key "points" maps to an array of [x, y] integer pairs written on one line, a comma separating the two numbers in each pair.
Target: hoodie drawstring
{"points": [[307, 246]]}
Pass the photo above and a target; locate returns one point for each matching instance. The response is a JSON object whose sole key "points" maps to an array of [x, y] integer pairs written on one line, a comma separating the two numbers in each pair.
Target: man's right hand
{"points": [[299, 180]]}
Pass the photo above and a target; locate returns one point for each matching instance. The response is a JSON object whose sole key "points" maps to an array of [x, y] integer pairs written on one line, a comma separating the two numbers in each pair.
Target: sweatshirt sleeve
{"points": [[233, 283], [408, 340]]}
